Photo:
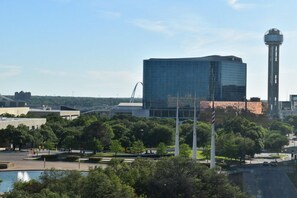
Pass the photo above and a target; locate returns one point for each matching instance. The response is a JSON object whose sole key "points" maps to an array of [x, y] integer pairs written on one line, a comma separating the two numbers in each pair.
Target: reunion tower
{"points": [[273, 38]]}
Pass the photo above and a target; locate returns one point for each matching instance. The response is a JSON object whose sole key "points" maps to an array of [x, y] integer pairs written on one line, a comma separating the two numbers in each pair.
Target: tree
{"points": [[137, 147], [54, 119], [246, 129], [168, 177], [184, 150], [60, 130], [136, 174], [234, 146], [275, 141], [123, 134], [116, 146], [282, 127], [161, 149], [71, 138], [105, 184], [16, 136], [95, 145], [203, 133], [140, 130], [119, 130], [181, 177], [291, 120], [47, 135], [83, 120], [159, 134], [99, 130]]}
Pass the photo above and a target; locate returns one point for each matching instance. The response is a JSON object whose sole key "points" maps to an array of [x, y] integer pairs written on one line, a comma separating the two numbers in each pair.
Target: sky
{"points": [[96, 48]]}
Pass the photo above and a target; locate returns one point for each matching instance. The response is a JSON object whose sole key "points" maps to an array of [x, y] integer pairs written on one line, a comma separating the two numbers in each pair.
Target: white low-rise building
{"points": [[134, 109]]}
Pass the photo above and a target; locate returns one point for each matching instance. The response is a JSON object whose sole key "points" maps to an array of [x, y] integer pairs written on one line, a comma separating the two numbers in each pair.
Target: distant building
{"points": [[293, 101], [67, 114], [288, 108], [32, 123], [25, 96], [16, 111], [8, 102], [133, 109], [222, 78], [255, 107]]}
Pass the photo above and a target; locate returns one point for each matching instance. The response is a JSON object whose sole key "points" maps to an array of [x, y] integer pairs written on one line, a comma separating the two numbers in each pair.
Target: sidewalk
{"points": [[40, 165], [22, 161]]}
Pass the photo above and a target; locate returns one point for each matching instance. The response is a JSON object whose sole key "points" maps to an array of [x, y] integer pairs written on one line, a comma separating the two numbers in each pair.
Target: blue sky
{"points": [[96, 47]]}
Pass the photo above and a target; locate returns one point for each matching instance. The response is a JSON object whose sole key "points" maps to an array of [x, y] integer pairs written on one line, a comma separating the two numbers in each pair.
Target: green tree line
{"points": [[237, 134]]}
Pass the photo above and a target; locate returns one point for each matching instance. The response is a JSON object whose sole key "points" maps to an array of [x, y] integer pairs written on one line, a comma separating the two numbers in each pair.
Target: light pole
{"points": [[294, 148], [194, 156], [176, 148], [213, 118]]}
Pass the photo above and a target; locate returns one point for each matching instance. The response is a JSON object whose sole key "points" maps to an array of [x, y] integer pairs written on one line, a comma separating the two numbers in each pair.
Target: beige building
{"points": [[32, 123], [67, 114], [17, 111]]}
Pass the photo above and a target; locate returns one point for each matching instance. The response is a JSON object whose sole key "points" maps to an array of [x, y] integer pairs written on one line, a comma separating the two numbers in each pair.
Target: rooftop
{"points": [[123, 104], [205, 58]]}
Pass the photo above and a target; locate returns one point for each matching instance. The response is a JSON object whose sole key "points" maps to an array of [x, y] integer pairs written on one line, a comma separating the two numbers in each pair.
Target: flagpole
{"points": [[194, 156], [213, 118], [213, 147], [176, 150]]}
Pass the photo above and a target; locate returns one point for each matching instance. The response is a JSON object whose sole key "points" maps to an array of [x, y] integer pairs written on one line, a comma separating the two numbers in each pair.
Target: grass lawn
{"points": [[280, 156]]}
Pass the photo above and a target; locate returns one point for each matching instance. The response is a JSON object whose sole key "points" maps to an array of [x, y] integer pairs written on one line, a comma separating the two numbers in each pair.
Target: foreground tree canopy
{"points": [[170, 177]]}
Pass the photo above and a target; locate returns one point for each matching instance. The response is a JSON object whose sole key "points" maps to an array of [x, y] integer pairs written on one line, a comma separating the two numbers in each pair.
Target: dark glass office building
{"points": [[222, 78]]}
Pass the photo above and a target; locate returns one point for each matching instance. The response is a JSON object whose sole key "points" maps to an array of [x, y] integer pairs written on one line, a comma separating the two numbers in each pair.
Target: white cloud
{"points": [[8, 71], [236, 5], [214, 40], [153, 26]]}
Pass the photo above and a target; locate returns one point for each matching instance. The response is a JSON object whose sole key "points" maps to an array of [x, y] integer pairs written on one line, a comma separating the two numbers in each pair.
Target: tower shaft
{"points": [[273, 78]]}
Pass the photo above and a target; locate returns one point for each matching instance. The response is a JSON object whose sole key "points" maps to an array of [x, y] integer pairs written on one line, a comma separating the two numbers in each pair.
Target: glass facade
{"points": [[223, 78]]}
